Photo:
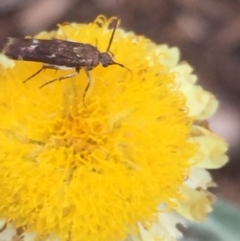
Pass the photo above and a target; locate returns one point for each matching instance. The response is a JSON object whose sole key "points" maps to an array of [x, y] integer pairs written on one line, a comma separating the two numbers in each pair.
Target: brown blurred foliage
{"points": [[207, 32]]}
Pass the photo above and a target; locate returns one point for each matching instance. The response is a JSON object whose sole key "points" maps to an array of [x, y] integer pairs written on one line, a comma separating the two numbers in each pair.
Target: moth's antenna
{"points": [[123, 66], [113, 32]]}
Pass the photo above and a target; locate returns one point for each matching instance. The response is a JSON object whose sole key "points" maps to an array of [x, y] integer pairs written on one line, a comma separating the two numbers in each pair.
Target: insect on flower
{"points": [[60, 55]]}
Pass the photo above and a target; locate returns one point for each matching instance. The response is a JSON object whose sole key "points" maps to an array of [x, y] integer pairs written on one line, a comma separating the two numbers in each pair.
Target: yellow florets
{"points": [[91, 173]]}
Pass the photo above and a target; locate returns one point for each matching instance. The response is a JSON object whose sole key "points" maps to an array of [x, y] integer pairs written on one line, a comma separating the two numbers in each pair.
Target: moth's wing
{"points": [[56, 52]]}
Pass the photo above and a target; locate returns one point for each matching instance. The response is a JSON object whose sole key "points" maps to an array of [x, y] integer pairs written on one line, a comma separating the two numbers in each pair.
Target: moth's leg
{"points": [[96, 42], [62, 77], [40, 70], [44, 67], [87, 86]]}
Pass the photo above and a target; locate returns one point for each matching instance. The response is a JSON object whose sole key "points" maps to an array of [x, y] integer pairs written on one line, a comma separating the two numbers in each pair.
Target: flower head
{"points": [[127, 163]]}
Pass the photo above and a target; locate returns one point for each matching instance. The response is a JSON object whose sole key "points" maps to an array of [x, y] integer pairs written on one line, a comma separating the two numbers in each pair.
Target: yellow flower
{"points": [[129, 165]]}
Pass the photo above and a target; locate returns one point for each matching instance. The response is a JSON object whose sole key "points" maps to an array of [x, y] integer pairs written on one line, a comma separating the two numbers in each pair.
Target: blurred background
{"points": [[207, 32]]}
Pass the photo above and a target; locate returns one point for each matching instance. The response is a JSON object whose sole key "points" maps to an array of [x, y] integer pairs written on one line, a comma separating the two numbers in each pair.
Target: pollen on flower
{"points": [[94, 172]]}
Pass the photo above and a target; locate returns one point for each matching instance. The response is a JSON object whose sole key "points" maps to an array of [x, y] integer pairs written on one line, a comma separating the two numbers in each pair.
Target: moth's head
{"points": [[106, 59]]}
